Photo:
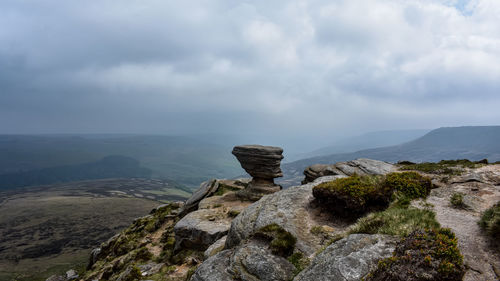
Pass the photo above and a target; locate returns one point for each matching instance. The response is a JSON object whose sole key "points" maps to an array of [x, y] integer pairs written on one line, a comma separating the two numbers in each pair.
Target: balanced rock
{"points": [[263, 164]]}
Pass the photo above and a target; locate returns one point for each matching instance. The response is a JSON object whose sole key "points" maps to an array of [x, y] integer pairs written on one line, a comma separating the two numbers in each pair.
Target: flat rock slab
{"points": [[200, 229], [359, 166], [349, 259]]}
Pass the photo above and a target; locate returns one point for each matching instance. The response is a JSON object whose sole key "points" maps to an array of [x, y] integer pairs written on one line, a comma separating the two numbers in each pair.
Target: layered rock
{"points": [[263, 164], [359, 166]]}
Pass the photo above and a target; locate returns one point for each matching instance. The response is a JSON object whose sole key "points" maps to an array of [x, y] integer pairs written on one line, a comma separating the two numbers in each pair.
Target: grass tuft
{"points": [[353, 195], [299, 261], [396, 221], [430, 254], [443, 167], [282, 242], [457, 201], [490, 221]]}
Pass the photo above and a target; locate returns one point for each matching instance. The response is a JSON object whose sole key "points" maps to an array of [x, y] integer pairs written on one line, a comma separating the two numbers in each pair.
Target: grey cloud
{"points": [[281, 68]]}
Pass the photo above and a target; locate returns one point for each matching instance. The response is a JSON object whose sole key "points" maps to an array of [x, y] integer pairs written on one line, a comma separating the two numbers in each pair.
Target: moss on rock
{"points": [[430, 254], [353, 195], [411, 184], [282, 242]]}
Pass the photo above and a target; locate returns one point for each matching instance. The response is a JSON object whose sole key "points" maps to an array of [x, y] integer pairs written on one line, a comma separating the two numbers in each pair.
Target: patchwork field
{"points": [[49, 229]]}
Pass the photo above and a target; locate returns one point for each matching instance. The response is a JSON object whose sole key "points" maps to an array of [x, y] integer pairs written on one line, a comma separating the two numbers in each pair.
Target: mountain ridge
{"points": [[466, 142]]}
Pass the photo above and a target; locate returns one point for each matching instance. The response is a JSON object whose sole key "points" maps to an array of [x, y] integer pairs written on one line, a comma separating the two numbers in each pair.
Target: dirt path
{"points": [[481, 189]]}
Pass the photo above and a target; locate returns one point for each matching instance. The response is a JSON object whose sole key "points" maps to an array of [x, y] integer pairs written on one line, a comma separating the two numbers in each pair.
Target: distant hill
{"points": [[108, 167], [472, 142], [185, 160], [364, 141]]}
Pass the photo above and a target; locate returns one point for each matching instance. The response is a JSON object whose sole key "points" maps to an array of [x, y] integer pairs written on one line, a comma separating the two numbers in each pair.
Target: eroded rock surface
{"points": [[292, 209], [349, 259], [249, 262], [359, 166]]}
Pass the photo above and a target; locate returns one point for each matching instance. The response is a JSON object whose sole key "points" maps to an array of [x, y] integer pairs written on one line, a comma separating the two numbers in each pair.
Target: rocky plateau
{"points": [[221, 233]]}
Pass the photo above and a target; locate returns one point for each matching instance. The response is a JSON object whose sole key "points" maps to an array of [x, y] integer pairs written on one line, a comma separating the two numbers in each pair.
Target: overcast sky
{"points": [[278, 68]]}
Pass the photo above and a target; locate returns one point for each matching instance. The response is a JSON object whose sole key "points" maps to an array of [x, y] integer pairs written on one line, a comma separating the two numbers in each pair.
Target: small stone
{"points": [[215, 247], [71, 274]]}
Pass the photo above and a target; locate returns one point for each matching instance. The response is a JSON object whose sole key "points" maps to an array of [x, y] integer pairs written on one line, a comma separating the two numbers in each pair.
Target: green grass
{"points": [[443, 167], [299, 261], [282, 242], [223, 189], [353, 195], [396, 221], [411, 184], [457, 200], [356, 195], [434, 251], [490, 221]]}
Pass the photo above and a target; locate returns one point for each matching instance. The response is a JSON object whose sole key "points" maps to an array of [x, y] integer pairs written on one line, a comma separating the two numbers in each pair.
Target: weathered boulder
{"points": [[215, 268], [359, 166], [292, 209], [205, 190], [200, 229], [249, 262], [263, 164], [256, 262], [215, 248], [349, 259]]}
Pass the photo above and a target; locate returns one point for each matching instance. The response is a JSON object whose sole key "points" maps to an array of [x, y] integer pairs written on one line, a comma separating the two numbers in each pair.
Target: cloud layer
{"points": [[285, 68]]}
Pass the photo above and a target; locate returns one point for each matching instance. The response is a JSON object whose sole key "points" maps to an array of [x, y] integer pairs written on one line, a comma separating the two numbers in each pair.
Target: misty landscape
{"points": [[250, 140]]}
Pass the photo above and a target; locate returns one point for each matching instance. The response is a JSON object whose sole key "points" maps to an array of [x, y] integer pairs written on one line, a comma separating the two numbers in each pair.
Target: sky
{"points": [[307, 71]]}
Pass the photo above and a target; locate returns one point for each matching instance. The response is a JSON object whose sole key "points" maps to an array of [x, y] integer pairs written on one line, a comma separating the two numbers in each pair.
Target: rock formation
{"points": [[219, 235], [263, 164], [290, 208], [359, 166]]}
